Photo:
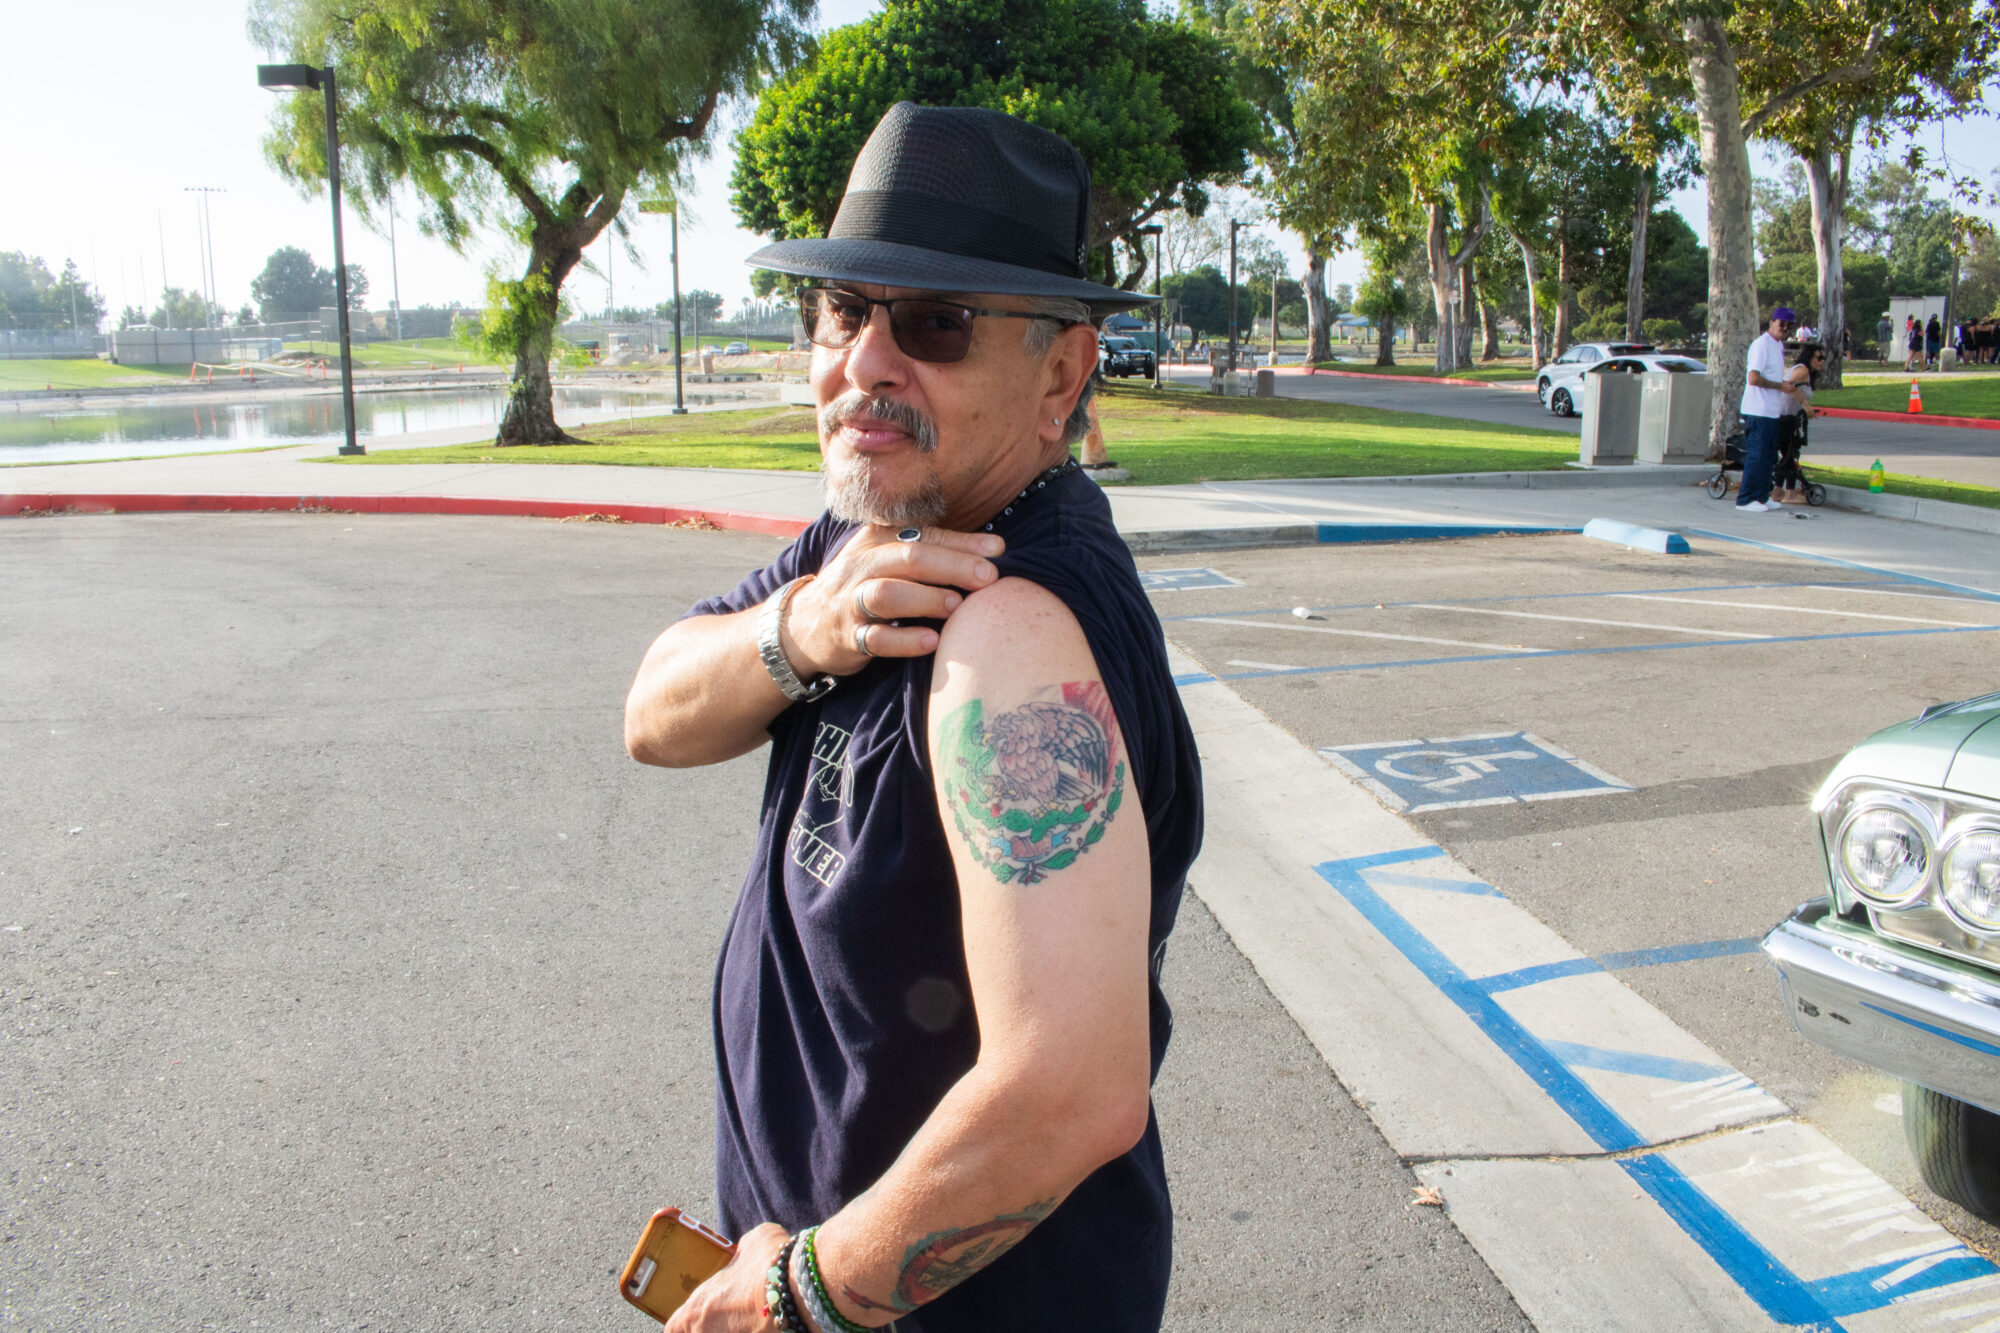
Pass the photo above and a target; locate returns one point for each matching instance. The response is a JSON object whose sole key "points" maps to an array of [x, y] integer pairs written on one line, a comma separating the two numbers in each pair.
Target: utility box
{"points": [[1673, 417], [1267, 384], [1610, 405]]}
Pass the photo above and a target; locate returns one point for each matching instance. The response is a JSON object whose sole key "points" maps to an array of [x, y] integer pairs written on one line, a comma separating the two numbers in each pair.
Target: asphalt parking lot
{"points": [[1705, 697]]}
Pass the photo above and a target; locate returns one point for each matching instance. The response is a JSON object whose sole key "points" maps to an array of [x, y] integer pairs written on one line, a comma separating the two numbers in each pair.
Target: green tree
{"points": [[293, 287], [33, 298], [1148, 101], [1383, 299], [1202, 295], [180, 309], [538, 117]]}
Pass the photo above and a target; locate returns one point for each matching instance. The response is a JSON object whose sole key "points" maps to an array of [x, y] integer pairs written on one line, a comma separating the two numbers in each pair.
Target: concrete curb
{"points": [[1570, 476], [1915, 509], [1195, 540], [18, 504], [1911, 418]]}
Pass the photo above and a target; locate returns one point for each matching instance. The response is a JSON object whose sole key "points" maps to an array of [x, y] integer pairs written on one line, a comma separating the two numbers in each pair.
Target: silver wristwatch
{"points": [[772, 649]]}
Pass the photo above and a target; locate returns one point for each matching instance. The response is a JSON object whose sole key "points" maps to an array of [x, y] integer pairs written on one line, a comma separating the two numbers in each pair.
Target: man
{"points": [[1764, 393], [1884, 330], [937, 1008]]}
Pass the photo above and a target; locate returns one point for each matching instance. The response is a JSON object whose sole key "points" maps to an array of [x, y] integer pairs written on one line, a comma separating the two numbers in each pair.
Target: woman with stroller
{"points": [[1933, 343], [1788, 483], [1913, 338]]}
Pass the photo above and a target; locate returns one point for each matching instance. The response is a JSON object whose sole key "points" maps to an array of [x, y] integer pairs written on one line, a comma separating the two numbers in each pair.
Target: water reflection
{"points": [[34, 433]]}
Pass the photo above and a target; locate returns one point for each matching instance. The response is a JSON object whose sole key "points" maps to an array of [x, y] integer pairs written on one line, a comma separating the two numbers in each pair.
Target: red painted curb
{"points": [[775, 525], [1416, 379], [1910, 418]]}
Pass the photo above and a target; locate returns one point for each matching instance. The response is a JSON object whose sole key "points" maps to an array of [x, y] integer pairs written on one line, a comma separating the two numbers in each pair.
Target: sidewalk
{"points": [[1155, 518]]}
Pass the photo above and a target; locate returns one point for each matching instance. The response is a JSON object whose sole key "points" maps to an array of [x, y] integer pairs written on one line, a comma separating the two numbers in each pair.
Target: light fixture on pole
{"points": [[305, 76], [1159, 348], [671, 208]]}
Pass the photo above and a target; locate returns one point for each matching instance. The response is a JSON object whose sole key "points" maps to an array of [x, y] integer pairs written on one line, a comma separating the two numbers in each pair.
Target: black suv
{"points": [[1124, 356]]}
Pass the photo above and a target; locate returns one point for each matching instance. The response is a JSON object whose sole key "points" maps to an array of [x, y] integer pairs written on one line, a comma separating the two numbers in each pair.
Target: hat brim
{"points": [[889, 264]]}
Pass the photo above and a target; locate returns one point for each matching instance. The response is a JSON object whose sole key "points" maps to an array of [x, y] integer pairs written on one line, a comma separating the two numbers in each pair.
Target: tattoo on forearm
{"points": [[943, 1259], [1033, 788]]}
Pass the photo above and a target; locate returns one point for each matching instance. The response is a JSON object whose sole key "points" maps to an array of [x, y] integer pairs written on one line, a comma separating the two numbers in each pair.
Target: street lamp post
{"points": [[1233, 226], [306, 76], [1159, 347], [671, 208]]}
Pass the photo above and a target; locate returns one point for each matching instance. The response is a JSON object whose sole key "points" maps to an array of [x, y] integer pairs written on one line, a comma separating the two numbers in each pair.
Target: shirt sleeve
{"points": [[806, 555]]}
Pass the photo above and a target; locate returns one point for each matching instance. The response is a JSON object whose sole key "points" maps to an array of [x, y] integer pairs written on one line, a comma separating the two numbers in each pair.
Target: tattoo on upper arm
{"points": [[943, 1259], [1033, 788]]}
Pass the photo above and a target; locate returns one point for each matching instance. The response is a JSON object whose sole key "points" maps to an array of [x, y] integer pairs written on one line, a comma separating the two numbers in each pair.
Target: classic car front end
{"points": [[1899, 965]]}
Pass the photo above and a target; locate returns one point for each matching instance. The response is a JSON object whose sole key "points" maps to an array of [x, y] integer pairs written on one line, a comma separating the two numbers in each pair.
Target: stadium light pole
{"points": [[1159, 348], [1234, 227], [672, 208], [306, 76]]}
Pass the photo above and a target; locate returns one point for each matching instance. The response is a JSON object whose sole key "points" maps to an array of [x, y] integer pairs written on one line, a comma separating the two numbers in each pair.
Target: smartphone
{"points": [[675, 1255]]}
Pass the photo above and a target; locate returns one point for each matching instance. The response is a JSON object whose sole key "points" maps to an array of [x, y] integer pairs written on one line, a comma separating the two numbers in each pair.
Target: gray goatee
{"points": [[851, 493]]}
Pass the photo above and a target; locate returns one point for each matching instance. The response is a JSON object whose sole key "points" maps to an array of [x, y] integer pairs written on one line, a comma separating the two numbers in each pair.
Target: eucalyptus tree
{"points": [[1917, 64], [535, 118], [1150, 102]]}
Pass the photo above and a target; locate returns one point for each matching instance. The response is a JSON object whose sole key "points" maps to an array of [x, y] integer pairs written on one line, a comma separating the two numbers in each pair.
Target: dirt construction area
{"points": [[1625, 744]]}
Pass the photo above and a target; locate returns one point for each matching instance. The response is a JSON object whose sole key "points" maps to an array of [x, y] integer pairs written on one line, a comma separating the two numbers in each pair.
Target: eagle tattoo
{"points": [[1033, 788]]}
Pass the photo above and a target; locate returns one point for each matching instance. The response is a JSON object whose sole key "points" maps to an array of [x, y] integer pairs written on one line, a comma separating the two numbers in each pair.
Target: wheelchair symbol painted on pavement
{"points": [[1416, 776]]}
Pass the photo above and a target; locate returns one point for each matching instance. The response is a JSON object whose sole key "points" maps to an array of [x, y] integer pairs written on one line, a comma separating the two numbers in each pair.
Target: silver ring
{"points": [[861, 605], [910, 535], [861, 639]]}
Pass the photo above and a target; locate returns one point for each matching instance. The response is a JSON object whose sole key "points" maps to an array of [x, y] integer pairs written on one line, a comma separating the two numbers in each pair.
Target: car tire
{"points": [[1542, 387], [1957, 1147], [1560, 404]]}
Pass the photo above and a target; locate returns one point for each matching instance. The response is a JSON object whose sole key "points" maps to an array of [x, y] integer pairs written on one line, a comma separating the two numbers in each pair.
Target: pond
{"points": [[183, 424]]}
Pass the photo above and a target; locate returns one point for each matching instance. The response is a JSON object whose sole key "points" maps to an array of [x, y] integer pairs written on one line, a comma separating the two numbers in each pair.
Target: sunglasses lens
{"points": [[931, 330], [832, 318]]}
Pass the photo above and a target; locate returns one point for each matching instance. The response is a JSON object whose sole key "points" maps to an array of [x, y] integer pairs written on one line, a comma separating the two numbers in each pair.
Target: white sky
{"points": [[98, 172]]}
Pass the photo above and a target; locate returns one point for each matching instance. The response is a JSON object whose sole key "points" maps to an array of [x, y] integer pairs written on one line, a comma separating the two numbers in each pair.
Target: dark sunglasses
{"points": [[926, 330]]}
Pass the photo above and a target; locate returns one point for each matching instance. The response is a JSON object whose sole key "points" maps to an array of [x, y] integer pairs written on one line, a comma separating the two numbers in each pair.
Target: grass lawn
{"points": [[1942, 397], [413, 353], [1925, 488], [1498, 373], [1163, 438], [85, 373]]}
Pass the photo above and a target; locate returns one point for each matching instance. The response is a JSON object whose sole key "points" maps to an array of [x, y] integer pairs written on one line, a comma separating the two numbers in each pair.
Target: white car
{"points": [[1561, 383]]}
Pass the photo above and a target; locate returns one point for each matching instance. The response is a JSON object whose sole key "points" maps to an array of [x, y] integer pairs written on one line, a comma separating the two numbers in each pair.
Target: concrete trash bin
{"points": [[1267, 384], [1673, 417], [1610, 404]]}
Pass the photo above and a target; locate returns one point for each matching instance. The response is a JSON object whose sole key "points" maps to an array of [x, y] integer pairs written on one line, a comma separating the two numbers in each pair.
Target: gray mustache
{"points": [[854, 403]]}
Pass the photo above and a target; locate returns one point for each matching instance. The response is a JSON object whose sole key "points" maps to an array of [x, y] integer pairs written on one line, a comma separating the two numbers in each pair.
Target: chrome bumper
{"points": [[1915, 1015]]}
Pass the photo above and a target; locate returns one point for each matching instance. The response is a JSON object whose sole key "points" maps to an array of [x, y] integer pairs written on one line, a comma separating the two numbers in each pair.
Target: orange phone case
{"points": [[675, 1254]]}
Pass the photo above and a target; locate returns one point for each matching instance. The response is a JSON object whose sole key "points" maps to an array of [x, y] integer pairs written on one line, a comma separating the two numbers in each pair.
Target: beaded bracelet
{"points": [[778, 1302], [818, 1302]]}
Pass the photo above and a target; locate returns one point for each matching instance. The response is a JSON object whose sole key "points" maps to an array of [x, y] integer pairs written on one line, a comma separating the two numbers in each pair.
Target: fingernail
{"points": [[985, 572], [951, 601], [994, 544]]}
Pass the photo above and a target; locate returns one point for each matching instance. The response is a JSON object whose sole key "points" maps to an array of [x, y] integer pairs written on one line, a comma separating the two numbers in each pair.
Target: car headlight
{"points": [[1971, 878], [1885, 851]]}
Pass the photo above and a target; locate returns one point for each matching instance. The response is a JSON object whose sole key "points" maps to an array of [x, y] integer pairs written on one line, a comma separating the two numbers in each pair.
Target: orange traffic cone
{"points": [[1916, 399], [211, 376], [194, 370]]}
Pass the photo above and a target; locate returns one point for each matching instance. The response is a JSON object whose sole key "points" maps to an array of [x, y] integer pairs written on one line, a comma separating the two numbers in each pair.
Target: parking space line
{"points": [[1891, 574], [1542, 597], [1362, 634], [1258, 666], [1581, 620], [1791, 610], [1879, 592], [1621, 961], [1640, 1063]]}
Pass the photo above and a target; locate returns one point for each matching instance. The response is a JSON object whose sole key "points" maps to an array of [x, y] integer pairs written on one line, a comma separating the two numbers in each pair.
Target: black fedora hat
{"points": [[959, 199]]}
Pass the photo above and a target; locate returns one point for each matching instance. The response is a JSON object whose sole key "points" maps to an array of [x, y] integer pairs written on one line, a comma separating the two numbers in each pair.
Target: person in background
{"points": [[1884, 331], [1933, 342], [1792, 417], [1765, 391], [1913, 338]]}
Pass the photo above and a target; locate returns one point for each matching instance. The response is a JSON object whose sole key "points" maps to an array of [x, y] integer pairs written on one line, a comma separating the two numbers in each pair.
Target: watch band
{"points": [[771, 648]]}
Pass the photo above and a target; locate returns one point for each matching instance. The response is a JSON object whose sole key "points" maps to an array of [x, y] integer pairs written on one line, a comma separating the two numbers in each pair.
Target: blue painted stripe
{"points": [[1981, 593], [1550, 597], [1616, 962], [1404, 880], [1852, 1293], [1645, 1065], [1605, 1126], [1775, 1288], [1541, 653], [1679, 953], [1766, 1280], [1194, 678], [1984, 1047], [1341, 533]]}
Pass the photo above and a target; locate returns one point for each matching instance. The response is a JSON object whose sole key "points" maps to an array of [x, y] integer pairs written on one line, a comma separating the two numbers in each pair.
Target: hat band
{"points": [[929, 223]]}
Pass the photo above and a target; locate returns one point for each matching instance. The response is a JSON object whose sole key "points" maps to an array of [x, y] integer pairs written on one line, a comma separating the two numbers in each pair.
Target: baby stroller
{"points": [[1787, 475]]}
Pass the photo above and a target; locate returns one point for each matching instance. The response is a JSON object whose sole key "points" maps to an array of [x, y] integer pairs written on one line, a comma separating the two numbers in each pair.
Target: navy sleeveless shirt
{"points": [[842, 1007]]}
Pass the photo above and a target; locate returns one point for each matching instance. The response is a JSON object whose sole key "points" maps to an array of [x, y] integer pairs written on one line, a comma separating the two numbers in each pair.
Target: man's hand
{"points": [[892, 580], [733, 1300]]}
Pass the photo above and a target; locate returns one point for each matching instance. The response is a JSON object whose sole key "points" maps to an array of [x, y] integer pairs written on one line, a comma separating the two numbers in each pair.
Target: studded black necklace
{"points": [[1056, 473]]}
